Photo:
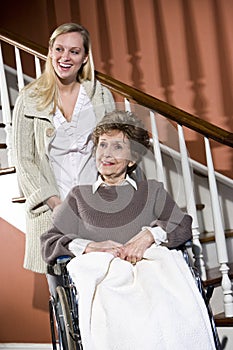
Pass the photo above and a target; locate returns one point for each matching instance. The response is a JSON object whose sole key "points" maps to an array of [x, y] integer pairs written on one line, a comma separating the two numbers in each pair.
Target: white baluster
{"points": [[127, 105], [6, 111], [19, 69], [37, 67], [138, 172], [219, 234], [191, 205], [157, 151]]}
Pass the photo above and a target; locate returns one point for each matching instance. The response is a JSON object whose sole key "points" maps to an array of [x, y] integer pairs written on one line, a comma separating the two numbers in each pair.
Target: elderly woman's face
{"points": [[113, 155]]}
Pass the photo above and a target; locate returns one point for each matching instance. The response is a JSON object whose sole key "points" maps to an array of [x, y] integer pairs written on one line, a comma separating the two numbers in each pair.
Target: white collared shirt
{"points": [[100, 182], [70, 150]]}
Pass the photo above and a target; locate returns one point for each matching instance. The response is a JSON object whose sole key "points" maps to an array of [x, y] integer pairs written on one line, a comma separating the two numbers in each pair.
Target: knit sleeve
{"points": [[64, 229], [171, 219], [32, 182]]}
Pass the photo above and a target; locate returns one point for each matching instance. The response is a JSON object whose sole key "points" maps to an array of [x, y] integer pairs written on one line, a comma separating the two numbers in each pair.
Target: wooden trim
{"points": [[18, 200], [173, 113], [211, 238], [222, 321], [6, 171]]}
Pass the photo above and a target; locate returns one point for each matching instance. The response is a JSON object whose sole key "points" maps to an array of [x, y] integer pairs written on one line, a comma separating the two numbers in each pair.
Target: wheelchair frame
{"points": [[63, 309], [63, 305]]}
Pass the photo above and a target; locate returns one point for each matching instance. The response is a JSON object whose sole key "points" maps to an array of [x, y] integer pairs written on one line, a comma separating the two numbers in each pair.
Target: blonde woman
{"points": [[52, 122]]}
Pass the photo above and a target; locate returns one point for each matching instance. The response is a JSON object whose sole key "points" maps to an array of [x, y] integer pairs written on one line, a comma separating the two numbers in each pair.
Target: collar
{"points": [[100, 182], [46, 113], [30, 106]]}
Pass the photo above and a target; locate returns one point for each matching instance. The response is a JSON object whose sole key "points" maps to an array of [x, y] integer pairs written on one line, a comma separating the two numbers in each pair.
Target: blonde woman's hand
{"points": [[53, 202]]}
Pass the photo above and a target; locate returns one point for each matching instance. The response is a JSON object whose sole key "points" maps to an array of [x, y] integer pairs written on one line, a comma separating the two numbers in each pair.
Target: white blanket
{"points": [[152, 305]]}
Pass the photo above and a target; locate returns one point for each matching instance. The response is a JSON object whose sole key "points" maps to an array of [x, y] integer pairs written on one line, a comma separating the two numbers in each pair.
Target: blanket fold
{"points": [[152, 305]]}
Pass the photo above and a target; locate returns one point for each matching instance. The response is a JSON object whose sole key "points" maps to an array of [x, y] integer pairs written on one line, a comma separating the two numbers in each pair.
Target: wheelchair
{"points": [[63, 304]]}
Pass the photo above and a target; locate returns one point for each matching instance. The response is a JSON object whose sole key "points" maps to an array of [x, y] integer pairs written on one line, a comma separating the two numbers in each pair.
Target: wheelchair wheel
{"points": [[54, 324], [65, 324]]}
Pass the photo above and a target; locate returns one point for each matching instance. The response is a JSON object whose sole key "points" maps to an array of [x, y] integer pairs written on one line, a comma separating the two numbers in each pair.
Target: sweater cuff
{"points": [[78, 246], [159, 235]]}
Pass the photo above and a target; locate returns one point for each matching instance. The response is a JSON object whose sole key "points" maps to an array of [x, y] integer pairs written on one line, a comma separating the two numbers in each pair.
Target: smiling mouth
{"points": [[64, 65], [107, 163]]}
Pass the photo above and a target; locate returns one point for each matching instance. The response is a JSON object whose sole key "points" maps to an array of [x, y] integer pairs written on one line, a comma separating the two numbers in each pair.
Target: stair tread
{"points": [[210, 237], [18, 200], [214, 276], [6, 171], [222, 321]]}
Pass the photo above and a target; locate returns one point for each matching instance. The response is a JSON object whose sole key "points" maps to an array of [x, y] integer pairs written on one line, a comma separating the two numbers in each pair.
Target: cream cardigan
{"points": [[33, 130]]}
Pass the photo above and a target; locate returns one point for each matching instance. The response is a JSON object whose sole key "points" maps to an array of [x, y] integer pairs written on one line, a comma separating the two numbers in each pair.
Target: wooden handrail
{"points": [[25, 45], [165, 109], [173, 113]]}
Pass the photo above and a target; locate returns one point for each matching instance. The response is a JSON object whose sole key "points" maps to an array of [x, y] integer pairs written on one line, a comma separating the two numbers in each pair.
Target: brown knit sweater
{"points": [[114, 213]]}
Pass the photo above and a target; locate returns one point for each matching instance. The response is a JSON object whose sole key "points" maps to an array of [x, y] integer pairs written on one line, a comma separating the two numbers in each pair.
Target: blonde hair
{"points": [[45, 87]]}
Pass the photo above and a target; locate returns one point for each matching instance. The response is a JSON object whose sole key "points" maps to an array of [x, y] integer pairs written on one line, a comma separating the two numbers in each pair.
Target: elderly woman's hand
{"points": [[105, 246], [135, 248]]}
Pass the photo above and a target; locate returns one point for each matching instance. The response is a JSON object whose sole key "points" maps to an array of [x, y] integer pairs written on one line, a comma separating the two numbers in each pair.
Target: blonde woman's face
{"points": [[68, 55]]}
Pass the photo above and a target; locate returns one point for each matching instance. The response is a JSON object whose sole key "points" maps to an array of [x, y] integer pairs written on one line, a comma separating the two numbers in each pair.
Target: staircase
{"points": [[199, 189]]}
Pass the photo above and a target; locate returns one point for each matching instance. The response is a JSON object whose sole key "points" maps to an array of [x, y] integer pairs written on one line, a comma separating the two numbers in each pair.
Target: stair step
{"points": [[199, 207], [18, 200], [214, 276], [6, 171], [222, 321], [210, 237]]}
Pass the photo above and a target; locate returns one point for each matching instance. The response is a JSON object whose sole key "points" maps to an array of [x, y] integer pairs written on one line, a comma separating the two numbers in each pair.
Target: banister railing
{"points": [[24, 45], [171, 112], [182, 118], [165, 109]]}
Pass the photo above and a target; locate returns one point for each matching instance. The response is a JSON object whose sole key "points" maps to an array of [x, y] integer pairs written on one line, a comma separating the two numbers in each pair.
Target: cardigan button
{"points": [[50, 132]]}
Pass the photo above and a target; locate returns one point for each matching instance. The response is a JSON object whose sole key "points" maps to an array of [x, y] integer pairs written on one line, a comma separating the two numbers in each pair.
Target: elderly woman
{"points": [[117, 214], [133, 289]]}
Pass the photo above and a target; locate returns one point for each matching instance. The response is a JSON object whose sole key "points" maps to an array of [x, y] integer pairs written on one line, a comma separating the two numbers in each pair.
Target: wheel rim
{"points": [[69, 342]]}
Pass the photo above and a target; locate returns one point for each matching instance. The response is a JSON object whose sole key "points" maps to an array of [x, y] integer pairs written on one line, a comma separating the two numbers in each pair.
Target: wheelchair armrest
{"points": [[188, 244], [185, 245], [63, 259], [59, 267]]}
